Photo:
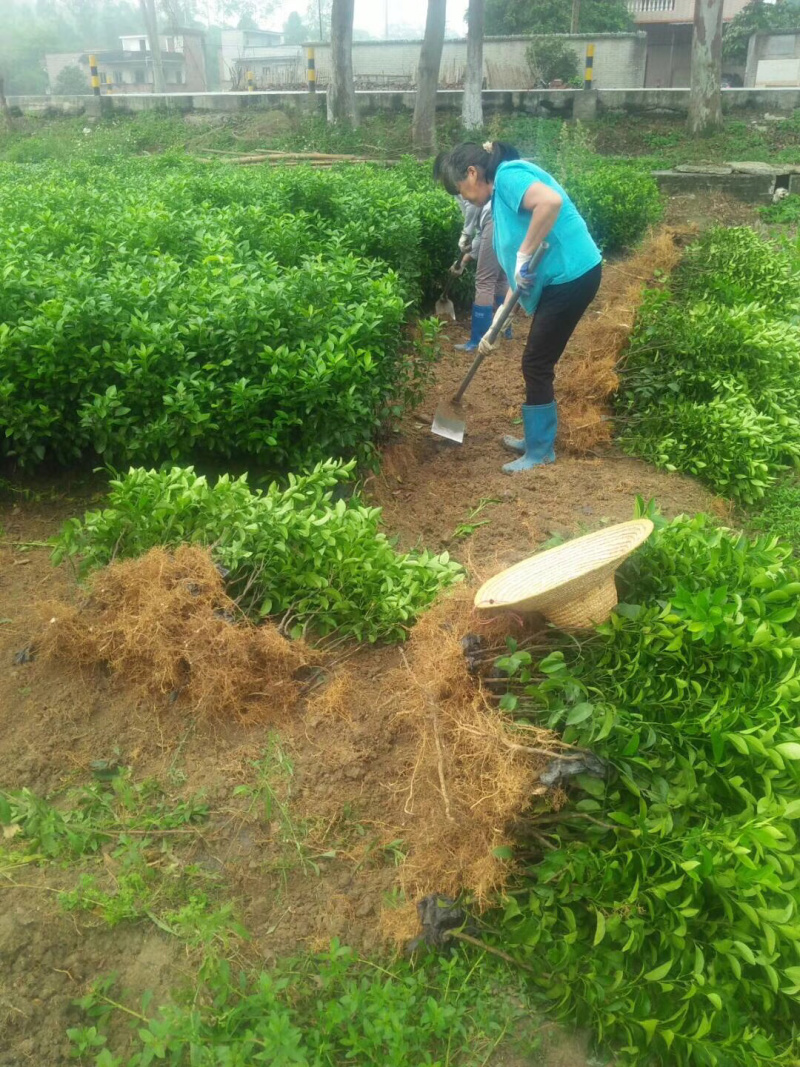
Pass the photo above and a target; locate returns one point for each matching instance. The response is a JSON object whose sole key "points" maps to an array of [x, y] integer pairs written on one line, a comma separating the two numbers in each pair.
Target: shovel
{"points": [[447, 420], [444, 306]]}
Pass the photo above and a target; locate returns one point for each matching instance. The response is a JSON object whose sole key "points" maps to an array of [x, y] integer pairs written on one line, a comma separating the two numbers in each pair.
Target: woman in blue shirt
{"points": [[528, 207]]}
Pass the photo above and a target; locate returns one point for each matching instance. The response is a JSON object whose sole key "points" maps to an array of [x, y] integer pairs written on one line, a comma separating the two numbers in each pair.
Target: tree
{"points": [[71, 81], [472, 104], [341, 93], [151, 23], [705, 98], [556, 16], [318, 18], [423, 130], [755, 18], [295, 30]]}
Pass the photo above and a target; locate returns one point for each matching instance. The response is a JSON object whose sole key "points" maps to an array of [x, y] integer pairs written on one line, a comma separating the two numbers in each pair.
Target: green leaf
{"points": [[600, 929], [579, 713], [659, 972]]}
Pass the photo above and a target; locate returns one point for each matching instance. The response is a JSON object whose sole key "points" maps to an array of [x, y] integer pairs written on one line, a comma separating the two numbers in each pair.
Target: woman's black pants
{"points": [[559, 312]]}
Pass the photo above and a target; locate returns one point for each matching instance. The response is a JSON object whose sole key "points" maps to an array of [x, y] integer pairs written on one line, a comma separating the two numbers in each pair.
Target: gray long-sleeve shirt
{"points": [[474, 221]]}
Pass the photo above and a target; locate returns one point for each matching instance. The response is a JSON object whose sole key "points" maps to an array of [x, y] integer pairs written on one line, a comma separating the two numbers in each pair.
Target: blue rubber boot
{"points": [[482, 316], [508, 333], [539, 423]]}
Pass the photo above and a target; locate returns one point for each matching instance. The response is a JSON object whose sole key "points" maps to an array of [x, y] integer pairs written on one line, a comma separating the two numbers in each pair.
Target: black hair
{"points": [[468, 154], [441, 173]]}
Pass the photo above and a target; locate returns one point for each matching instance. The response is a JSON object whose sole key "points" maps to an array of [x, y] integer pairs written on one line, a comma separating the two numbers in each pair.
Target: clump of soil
{"points": [[164, 626]]}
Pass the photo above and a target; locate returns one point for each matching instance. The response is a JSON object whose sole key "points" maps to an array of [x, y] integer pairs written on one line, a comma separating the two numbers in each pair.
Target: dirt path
{"points": [[346, 764]]}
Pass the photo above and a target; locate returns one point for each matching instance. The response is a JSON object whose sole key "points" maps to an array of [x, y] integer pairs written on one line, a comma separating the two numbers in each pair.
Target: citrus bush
{"points": [[160, 309], [664, 914], [710, 384], [290, 548]]}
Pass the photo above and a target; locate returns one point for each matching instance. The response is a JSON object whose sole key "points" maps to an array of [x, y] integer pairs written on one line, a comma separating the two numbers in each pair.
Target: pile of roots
{"points": [[461, 773], [163, 625], [586, 376]]}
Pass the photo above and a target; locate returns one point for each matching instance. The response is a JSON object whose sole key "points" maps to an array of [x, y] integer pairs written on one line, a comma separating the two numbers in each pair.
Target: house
{"points": [[242, 50], [129, 69], [773, 60], [669, 26]]}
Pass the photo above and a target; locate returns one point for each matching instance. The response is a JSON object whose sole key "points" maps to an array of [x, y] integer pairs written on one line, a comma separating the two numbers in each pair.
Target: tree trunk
{"points": [[705, 100], [151, 25], [472, 106], [4, 108], [430, 58], [341, 94], [576, 17]]}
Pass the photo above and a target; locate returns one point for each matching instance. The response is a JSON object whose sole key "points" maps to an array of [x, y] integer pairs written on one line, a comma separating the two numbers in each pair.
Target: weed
{"points": [[330, 1008], [469, 526], [786, 211]]}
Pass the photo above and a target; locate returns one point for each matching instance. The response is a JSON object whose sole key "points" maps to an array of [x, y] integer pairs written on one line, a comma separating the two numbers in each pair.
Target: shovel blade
{"points": [[444, 309], [447, 422]]}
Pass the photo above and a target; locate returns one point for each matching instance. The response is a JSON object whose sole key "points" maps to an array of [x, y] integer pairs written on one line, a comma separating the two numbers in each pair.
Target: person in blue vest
{"points": [[529, 207]]}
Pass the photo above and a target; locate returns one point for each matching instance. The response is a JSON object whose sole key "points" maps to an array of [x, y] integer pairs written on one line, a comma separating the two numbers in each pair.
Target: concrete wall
{"points": [[773, 60], [55, 62], [619, 61], [536, 102]]}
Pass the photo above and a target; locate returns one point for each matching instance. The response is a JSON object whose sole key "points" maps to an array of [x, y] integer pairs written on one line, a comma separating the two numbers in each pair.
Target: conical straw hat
{"points": [[572, 585]]}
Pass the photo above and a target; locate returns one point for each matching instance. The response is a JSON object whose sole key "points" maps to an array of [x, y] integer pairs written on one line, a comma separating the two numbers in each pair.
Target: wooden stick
{"points": [[461, 936]]}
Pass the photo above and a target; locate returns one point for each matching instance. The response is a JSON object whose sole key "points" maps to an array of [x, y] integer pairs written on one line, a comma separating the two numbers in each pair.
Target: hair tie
{"points": [[488, 146]]}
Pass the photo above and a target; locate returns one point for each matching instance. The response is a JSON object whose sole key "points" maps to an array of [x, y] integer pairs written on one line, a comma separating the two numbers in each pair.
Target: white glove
{"points": [[485, 346], [497, 314], [464, 241], [523, 277], [458, 267]]}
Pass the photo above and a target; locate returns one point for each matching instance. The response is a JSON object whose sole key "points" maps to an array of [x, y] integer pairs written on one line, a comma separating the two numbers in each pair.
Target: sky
{"points": [[370, 15]]}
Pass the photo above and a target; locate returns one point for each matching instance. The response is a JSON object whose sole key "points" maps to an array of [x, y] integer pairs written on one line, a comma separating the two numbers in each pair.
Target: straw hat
{"points": [[572, 585]]}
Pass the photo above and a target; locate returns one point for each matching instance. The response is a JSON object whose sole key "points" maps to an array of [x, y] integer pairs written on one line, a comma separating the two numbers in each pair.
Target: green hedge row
{"points": [[663, 913], [160, 311], [711, 382]]}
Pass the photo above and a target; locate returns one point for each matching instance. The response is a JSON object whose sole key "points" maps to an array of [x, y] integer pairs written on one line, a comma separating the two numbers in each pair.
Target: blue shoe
{"points": [[514, 444], [482, 316], [508, 333], [539, 423]]}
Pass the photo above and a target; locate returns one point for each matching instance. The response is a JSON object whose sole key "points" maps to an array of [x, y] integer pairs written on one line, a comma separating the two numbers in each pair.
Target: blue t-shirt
{"points": [[572, 251]]}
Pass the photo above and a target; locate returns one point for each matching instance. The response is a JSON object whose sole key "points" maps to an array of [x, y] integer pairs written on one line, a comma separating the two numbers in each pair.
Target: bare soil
{"points": [[350, 754]]}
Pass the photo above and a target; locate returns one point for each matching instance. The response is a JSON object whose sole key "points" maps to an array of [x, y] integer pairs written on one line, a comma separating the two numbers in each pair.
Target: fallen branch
{"points": [[461, 936]]}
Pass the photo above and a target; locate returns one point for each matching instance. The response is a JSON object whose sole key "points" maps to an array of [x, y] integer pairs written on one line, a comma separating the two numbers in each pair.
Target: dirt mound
{"points": [[586, 376], [163, 625]]}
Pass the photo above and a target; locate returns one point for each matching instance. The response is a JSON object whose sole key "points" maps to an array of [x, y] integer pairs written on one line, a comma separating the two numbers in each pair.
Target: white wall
{"points": [[619, 62], [55, 62], [773, 60]]}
